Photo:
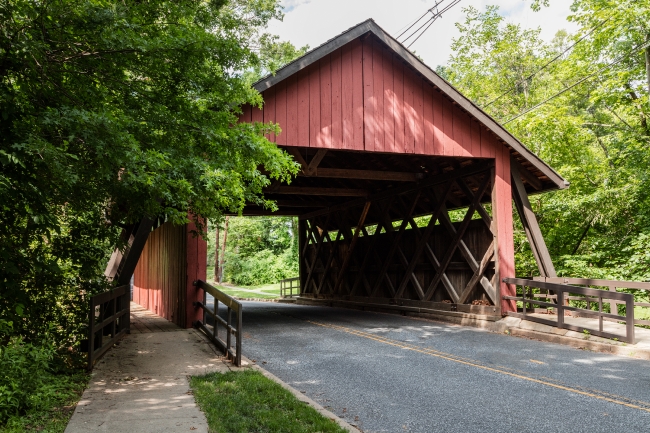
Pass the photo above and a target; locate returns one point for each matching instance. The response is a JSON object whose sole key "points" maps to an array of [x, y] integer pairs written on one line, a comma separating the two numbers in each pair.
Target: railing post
{"points": [[228, 326], [239, 337], [629, 320], [560, 309]]}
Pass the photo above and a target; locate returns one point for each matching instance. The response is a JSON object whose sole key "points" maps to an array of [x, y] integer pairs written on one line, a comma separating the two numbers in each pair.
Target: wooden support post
{"points": [[302, 241], [196, 258], [531, 227], [502, 230], [352, 244]]}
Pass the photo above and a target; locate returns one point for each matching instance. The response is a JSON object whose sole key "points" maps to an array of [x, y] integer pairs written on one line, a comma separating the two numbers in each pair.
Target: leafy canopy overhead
{"points": [[110, 111]]}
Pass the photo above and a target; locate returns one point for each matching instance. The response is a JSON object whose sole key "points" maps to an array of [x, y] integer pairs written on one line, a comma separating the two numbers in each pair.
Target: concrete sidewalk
{"points": [[141, 385]]}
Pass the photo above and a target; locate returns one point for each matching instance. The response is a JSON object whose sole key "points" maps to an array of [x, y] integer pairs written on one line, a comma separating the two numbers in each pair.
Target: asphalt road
{"points": [[389, 373]]}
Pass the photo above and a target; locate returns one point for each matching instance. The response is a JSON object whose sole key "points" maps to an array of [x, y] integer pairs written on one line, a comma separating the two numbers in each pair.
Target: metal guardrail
{"points": [[612, 286], [232, 305], [288, 285], [563, 292], [109, 317]]}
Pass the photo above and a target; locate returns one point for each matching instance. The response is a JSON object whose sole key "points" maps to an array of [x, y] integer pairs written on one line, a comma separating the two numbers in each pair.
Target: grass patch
{"points": [[238, 402], [54, 409], [269, 291]]}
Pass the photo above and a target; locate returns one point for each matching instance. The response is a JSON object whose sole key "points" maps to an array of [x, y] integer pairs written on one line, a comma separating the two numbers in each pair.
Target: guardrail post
{"points": [[239, 337], [629, 320], [560, 309]]}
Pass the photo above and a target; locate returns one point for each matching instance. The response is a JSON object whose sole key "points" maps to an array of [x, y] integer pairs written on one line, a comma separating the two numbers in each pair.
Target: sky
{"points": [[312, 22]]}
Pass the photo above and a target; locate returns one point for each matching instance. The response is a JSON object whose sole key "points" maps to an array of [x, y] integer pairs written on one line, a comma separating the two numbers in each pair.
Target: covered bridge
{"points": [[405, 194]]}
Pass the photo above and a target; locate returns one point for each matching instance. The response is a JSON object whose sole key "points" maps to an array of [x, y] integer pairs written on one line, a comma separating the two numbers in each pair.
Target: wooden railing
{"points": [[233, 306], [611, 285], [562, 293], [288, 285], [108, 322]]}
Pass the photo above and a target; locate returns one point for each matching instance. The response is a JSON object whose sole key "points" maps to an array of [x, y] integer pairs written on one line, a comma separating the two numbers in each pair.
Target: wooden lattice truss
{"points": [[375, 248]]}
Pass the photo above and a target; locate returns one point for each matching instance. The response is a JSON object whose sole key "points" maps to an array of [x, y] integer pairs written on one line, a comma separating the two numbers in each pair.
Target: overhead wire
{"points": [[435, 15], [616, 61], [554, 59]]}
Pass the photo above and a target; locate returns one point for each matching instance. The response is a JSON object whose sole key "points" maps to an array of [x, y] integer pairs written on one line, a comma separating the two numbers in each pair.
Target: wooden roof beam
{"points": [[344, 173], [305, 190]]}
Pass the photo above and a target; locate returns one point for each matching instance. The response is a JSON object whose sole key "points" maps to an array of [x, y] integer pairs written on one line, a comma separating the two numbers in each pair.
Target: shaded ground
{"points": [[388, 373]]}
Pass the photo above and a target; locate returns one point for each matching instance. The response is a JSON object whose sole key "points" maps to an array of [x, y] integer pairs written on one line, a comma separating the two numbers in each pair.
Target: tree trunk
{"points": [[223, 251], [647, 65], [216, 257]]}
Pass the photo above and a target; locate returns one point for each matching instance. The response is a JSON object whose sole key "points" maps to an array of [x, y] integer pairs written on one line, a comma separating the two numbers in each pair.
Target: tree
{"points": [[111, 111], [583, 109]]}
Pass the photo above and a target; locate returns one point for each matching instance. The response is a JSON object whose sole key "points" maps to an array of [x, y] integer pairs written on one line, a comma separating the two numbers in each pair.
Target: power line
{"points": [[548, 63], [437, 15], [601, 70]]}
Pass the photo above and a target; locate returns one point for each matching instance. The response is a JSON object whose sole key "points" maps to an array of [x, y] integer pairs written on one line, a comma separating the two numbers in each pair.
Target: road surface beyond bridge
{"points": [[388, 373]]}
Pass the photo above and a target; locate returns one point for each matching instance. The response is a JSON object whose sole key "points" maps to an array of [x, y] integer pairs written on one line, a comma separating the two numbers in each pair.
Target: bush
{"points": [[262, 267], [24, 374]]}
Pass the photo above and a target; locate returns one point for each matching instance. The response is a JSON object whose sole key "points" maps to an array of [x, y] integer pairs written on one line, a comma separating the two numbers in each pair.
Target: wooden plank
{"points": [[478, 275], [462, 132], [281, 111], [531, 227], [357, 95], [303, 108], [449, 145], [369, 101], [344, 173], [314, 106], [438, 124], [475, 137], [427, 115], [319, 245], [330, 258], [337, 101], [409, 112], [269, 110], [290, 132], [347, 107], [418, 105], [389, 103], [324, 137], [398, 107], [378, 91], [332, 192]]}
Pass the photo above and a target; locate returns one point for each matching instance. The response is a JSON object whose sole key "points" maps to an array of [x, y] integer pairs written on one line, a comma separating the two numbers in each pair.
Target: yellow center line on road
{"points": [[473, 363]]}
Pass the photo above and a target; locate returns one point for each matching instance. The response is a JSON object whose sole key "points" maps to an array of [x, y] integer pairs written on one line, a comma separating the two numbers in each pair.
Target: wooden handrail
{"points": [[233, 305], [288, 284], [114, 321], [561, 290]]}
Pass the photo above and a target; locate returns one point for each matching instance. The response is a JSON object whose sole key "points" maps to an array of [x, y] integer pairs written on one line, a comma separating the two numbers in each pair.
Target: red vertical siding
{"points": [[269, 109], [428, 119], [418, 127], [290, 130], [369, 122], [337, 107], [389, 104], [357, 94], [409, 112], [347, 104], [378, 94], [314, 105], [398, 105], [303, 108], [503, 202], [281, 110], [324, 138]]}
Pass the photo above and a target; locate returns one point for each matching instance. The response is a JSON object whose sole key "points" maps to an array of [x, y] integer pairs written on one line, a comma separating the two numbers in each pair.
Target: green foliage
{"points": [[27, 383], [111, 111], [596, 135], [249, 402], [259, 250]]}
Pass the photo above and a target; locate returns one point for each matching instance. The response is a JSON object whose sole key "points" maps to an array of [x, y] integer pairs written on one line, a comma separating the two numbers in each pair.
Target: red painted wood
{"points": [[303, 108], [257, 115], [290, 130], [196, 259], [369, 122], [245, 116], [409, 112], [269, 110], [347, 107], [281, 111], [503, 198], [357, 94], [427, 101], [324, 138], [389, 103], [314, 105], [378, 92], [398, 110], [448, 144], [337, 101], [475, 137], [418, 105], [438, 133], [462, 132]]}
